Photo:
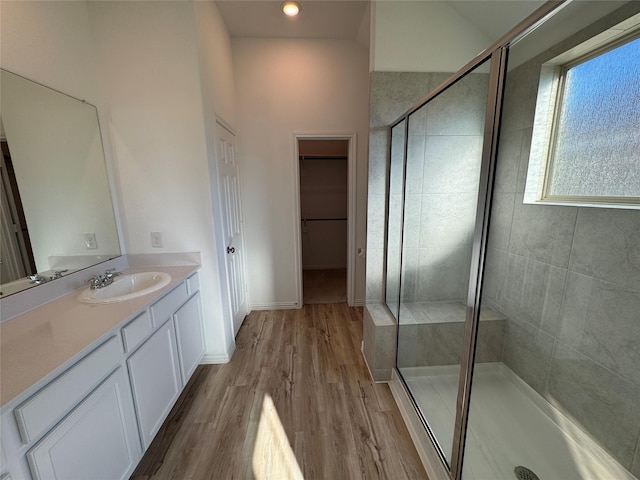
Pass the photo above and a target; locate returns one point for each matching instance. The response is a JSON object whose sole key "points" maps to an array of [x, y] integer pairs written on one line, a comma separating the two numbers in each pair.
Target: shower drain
{"points": [[523, 473]]}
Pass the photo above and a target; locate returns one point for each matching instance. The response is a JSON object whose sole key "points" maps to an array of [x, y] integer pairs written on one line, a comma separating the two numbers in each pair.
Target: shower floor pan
{"points": [[510, 425]]}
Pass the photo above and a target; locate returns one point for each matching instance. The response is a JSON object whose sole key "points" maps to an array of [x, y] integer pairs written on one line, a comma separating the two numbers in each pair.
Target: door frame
{"points": [[351, 210]]}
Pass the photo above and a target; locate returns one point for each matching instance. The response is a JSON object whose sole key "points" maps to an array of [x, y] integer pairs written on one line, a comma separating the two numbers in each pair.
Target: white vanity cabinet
{"points": [[161, 367], [155, 380], [190, 336], [98, 439], [95, 419]]}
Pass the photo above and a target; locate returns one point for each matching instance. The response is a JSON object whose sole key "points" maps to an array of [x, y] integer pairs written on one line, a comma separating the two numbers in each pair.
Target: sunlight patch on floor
{"points": [[273, 457]]}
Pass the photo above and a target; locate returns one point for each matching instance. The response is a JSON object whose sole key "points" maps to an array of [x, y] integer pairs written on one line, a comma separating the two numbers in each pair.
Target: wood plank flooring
{"points": [[324, 286], [296, 401]]}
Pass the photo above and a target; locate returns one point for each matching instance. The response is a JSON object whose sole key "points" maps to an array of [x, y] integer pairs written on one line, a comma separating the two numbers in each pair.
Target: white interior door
{"points": [[228, 176]]}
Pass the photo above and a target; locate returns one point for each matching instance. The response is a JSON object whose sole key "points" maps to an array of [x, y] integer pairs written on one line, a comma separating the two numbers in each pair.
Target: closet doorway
{"points": [[324, 188]]}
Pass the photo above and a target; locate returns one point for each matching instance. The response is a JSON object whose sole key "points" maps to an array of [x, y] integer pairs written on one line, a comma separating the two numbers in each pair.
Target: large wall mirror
{"points": [[57, 213]]}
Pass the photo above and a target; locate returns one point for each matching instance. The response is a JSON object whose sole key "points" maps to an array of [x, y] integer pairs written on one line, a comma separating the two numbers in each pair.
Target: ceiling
{"points": [[344, 18], [317, 18]]}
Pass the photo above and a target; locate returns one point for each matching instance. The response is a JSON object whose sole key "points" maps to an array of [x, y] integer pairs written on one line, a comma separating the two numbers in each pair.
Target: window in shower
{"points": [[587, 129]]}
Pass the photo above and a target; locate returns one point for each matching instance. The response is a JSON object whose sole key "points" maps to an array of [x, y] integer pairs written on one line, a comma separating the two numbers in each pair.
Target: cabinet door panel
{"points": [[190, 336], [98, 439], [155, 380], [38, 413]]}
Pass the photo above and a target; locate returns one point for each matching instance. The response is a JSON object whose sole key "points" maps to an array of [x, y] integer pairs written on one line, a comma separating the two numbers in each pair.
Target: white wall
{"points": [[422, 36], [287, 87], [50, 42], [139, 63]]}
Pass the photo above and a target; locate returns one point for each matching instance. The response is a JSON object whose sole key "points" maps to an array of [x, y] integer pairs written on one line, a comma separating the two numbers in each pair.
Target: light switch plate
{"points": [[90, 241], [156, 239]]}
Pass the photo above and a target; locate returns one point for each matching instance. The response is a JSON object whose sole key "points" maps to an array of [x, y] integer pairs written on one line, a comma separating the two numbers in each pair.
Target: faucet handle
{"points": [[58, 274], [111, 272]]}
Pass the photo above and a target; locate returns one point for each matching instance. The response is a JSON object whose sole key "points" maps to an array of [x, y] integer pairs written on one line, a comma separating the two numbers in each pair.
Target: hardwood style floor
{"points": [[324, 286], [296, 401]]}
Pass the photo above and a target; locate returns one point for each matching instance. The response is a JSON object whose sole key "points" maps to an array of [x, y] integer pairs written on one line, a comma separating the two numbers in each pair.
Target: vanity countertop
{"points": [[39, 343]]}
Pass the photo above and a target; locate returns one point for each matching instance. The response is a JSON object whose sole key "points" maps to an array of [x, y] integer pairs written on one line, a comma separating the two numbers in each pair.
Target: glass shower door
{"points": [[443, 159], [395, 218]]}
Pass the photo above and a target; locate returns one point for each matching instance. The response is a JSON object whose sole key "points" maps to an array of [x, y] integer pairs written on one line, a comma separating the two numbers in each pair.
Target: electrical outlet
{"points": [[156, 239], [90, 241]]}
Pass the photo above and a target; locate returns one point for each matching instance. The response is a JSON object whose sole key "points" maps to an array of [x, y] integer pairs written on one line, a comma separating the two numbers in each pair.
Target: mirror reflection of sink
{"points": [[126, 287]]}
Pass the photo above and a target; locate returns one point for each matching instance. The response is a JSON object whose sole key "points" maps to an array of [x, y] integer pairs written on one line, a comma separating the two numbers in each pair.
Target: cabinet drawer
{"points": [[163, 309], [136, 331], [39, 412], [193, 283]]}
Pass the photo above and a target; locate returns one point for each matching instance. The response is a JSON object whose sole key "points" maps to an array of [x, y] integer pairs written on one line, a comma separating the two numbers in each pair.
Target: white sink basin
{"points": [[126, 287]]}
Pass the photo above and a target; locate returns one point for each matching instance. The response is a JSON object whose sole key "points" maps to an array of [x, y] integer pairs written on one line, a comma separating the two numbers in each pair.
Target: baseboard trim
{"points": [[215, 359], [275, 306]]}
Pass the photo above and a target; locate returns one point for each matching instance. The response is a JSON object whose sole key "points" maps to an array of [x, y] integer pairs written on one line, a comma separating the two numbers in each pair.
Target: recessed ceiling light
{"points": [[291, 9]]}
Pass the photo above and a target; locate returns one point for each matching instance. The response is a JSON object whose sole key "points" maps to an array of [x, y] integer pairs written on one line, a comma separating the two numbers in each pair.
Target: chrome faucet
{"points": [[37, 279], [100, 281], [57, 274]]}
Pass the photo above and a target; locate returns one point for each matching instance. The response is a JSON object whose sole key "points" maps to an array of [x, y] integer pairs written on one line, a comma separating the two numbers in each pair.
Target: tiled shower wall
{"points": [[450, 133], [441, 190], [391, 94], [568, 281]]}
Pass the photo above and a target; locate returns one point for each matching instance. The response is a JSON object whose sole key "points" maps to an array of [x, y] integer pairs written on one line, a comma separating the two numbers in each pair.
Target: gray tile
{"points": [[411, 312], [602, 321], [533, 292], [393, 93], [376, 220], [415, 164], [437, 78], [490, 341], [461, 109], [374, 275], [543, 232], [412, 216], [418, 121], [528, 352], [386, 344], [520, 96], [452, 164], [501, 220], [448, 220], [443, 274], [525, 153], [495, 272], [607, 245], [488, 313], [598, 400], [379, 344], [410, 274], [378, 152], [440, 344], [445, 312], [409, 346], [508, 161], [396, 162]]}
